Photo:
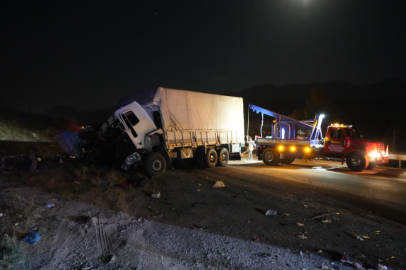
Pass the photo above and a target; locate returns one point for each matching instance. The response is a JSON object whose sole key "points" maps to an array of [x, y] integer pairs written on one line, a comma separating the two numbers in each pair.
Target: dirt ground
{"points": [[93, 217]]}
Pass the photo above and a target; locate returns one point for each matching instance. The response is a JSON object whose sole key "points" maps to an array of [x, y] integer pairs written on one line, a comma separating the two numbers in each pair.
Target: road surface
{"points": [[380, 190]]}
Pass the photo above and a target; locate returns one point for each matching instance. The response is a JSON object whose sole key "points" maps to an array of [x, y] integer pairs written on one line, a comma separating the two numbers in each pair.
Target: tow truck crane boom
{"points": [[284, 122]]}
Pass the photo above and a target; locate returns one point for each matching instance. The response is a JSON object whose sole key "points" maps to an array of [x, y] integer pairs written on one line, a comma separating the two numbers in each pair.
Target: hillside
{"points": [[25, 127], [83, 118]]}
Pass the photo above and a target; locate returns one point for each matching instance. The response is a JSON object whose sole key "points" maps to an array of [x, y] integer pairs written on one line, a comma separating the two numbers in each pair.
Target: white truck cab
{"points": [[136, 123]]}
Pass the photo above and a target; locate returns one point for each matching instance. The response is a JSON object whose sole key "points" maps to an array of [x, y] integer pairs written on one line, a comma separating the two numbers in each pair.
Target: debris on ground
{"points": [[300, 224], [32, 238], [360, 237], [50, 205], [382, 267], [320, 251], [302, 236], [1, 214], [325, 215], [327, 220], [377, 232], [271, 213], [156, 195], [219, 184], [356, 236]]}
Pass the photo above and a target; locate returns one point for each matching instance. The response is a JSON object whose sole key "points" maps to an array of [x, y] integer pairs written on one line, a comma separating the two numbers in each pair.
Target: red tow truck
{"points": [[342, 142]]}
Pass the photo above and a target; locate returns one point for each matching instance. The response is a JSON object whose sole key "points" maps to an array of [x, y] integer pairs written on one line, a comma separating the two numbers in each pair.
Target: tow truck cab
{"points": [[345, 142]]}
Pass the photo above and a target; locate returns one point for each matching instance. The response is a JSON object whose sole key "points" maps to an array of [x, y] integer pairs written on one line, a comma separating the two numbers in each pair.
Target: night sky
{"points": [[88, 54]]}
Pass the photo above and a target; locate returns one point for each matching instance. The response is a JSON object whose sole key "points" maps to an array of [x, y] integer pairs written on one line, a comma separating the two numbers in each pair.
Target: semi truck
{"points": [[342, 142], [161, 126]]}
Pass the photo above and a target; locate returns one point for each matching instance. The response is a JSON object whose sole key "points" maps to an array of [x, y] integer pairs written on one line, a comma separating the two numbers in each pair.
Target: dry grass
{"points": [[24, 127], [10, 251], [104, 187]]}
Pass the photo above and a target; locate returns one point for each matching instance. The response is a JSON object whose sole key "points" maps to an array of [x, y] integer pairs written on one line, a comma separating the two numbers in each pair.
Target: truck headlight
{"points": [[374, 154], [281, 148]]}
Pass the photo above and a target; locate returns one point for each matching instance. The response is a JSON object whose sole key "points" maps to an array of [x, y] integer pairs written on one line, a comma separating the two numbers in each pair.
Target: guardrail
{"points": [[400, 158]]}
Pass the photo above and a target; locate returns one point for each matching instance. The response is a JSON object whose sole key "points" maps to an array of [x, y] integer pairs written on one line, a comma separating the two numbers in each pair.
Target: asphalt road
{"points": [[380, 191]]}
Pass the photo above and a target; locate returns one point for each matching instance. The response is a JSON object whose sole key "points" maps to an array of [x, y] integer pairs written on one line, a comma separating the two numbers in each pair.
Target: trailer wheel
{"points": [[270, 157], [155, 164], [288, 160], [223, 157], [211, 158], [357, 162]]}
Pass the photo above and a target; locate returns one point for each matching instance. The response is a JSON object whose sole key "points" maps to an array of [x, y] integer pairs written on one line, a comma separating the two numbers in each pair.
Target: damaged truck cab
{"points": [[141, 130]]}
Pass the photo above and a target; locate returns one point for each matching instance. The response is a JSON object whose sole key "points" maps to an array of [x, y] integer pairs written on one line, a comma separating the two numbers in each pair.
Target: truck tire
{"points": [[223, 157], [211, 158], [270, 157], [357, 161], [155, 164], [288, 160]]}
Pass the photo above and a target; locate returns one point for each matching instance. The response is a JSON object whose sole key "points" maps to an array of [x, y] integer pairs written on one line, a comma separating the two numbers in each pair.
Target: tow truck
{"points": [[342, 142]]}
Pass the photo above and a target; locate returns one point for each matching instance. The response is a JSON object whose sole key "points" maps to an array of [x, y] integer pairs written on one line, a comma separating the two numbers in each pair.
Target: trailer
{"points": [[342, 142], [157, 127]]}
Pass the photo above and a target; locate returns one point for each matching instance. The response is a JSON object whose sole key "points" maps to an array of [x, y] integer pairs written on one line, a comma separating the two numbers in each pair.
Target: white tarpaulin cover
{"points": [[188, 110]]}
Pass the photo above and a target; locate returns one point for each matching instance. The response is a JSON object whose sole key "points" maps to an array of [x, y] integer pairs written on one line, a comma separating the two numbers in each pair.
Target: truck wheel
{"points": [[270, 157], [223, 157], [288, 160], [211, 158], [155, 164], [357, 162]]}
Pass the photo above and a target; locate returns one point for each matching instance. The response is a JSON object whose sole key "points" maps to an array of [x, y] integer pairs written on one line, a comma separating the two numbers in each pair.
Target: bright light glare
{"points": [[293, 149], [374, 154], [307, 149], [281, 148]]}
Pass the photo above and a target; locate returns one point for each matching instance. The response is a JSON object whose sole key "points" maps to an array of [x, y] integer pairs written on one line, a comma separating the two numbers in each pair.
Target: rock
{"points": [[219, 184], [156, 195], [271, 213]]}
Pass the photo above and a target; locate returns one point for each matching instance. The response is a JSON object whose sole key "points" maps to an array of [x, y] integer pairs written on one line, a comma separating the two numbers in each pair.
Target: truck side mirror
{"points": [[121, 126]]}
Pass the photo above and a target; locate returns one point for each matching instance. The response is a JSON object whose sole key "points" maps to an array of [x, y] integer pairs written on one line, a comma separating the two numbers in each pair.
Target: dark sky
{"points": [[88, 54]]}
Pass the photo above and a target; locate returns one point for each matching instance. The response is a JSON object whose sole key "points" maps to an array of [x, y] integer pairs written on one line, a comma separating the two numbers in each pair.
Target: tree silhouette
{"points": [[319, 101]]}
